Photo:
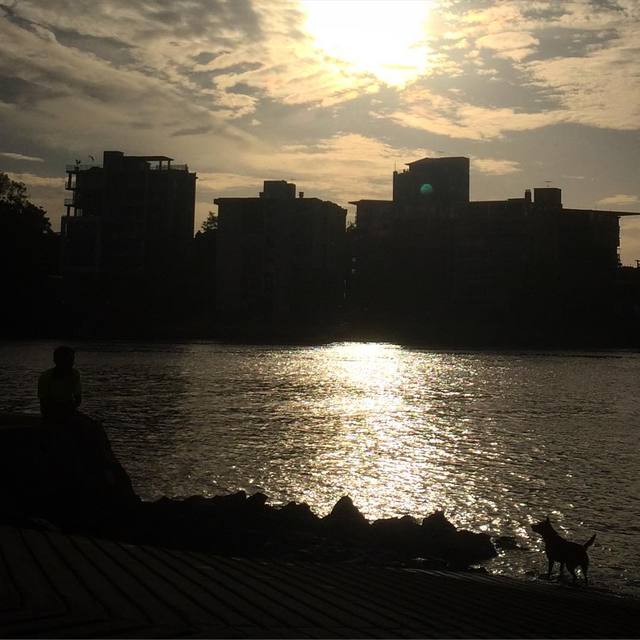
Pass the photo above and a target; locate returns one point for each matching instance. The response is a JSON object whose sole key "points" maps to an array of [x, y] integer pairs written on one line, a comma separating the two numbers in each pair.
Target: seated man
{"points": [[59, 388], [60, 396]]}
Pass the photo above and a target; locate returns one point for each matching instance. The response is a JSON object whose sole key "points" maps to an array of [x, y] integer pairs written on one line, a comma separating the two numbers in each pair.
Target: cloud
{"points": [[339, 168], [619, 199], [451, 116], [44, 191], [512, 45], [495, 167], [579, 57], [32, 180], [19, 156], [598, 90], [242, 91]]}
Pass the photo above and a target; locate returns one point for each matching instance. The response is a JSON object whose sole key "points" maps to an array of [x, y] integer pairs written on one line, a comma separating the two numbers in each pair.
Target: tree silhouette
{"points": [[19, 218], [28, 254], [210, 224]]}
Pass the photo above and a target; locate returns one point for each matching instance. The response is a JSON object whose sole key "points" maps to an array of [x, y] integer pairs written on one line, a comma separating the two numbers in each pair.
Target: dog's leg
{"points": [[585, 568], [561, 573], [551, 562]]}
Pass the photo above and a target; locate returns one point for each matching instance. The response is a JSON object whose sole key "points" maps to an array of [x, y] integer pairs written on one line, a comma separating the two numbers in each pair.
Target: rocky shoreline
{"points": [[67, 479]]}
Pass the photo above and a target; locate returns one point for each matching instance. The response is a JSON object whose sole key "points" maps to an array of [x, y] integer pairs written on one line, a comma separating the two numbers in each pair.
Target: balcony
{"points": [[172, 167]]}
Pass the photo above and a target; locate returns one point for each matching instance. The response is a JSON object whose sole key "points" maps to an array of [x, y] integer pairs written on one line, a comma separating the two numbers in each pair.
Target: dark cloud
{"points": [[204, 57], [564, 42], [205, 78], [140, 124], [610, 5], [115, 51], [195, 131], [508, 87], [10, 14], [245, 89], [23, 92], [198, 17]]}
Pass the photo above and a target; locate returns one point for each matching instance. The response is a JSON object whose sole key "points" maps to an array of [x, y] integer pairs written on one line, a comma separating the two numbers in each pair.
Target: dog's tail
{"points": [[589, 542]]}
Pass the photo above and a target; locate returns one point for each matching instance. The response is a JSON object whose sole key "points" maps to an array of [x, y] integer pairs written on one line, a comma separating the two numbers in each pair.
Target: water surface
{"points": [[498, 440]]}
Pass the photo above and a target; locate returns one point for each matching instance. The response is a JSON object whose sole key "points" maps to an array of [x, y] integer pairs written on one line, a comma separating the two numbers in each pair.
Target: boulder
{"points": [[298, 516], [345, 521], [399, 535], [436, 525], [459, 548], [64, 474]]}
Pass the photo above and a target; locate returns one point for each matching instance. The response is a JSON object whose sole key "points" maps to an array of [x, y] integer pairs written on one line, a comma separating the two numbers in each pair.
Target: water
{"points": [[499, 440]]}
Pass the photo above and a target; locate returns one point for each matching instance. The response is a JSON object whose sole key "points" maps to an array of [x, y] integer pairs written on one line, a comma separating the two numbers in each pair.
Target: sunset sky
{"points": [[329, 94]]}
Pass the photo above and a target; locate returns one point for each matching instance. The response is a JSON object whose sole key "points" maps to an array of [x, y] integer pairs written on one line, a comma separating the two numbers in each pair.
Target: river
{"points": [[497, 439]]}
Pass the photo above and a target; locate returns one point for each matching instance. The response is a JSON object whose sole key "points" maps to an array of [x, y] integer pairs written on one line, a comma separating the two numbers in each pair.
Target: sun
{"points": [[386, 38]]}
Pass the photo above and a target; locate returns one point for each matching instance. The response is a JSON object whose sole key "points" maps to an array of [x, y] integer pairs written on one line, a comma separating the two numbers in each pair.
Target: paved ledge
{"points": [[53, 585]]}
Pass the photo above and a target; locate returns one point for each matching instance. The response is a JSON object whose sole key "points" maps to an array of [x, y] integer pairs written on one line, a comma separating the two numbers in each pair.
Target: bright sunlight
{"points": [[386, 38]]}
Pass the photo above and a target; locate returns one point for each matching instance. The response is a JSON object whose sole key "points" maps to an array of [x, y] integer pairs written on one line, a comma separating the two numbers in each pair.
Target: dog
{"points": [[557, 549]]}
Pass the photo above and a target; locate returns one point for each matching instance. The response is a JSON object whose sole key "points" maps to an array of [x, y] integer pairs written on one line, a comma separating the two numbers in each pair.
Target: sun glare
{"points": [[386, 38]]}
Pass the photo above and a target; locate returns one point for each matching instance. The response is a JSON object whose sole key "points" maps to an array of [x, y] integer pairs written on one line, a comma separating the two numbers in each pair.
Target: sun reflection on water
{"points": [[403, 431], [393, 449]]}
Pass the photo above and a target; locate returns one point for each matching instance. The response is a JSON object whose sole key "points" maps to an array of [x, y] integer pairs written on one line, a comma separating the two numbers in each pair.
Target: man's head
{"points": [[64, 357]]}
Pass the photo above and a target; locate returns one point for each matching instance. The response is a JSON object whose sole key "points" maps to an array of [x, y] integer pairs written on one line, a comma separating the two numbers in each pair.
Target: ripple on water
{"points": [[497, 440]]}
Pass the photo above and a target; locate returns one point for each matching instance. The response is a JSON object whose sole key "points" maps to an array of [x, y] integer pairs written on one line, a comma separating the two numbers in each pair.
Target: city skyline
{"points": [[329, 95]]}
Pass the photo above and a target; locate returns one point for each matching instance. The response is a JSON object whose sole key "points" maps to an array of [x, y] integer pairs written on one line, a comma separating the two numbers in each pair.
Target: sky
{"points": [[329, 94]]}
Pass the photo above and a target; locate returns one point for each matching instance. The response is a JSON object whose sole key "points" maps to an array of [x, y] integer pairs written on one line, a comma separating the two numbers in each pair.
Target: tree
{"points": [[210, 224], [25, 234], [28, 253], [19, 218]]}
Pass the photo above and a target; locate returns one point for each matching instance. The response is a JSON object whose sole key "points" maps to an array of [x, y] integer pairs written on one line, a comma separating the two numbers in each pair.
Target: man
{"points": [[59, 389], [93, 466]]}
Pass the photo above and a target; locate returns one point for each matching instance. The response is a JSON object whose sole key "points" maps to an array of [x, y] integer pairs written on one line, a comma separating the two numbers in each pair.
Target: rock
{"points": [[472, 548], [230, 501], [437, 525], [345, 521], [441, 539], [298, 516], [400, 535], [257, 500], [65, 474], [509, 543]]}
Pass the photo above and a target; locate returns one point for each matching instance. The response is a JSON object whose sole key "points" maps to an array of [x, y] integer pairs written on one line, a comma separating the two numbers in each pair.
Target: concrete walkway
{"points": [[54, 585]]}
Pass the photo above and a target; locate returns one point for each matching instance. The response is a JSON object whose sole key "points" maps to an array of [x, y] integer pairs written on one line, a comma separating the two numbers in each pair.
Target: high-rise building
{"points": [[130, 214], [280, 258], [431, 255], [429, 180]]}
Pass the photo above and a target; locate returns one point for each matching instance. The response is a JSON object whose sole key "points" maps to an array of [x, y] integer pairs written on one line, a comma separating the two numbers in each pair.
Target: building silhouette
{"points": [[280, 259], [130, 214], [442, 180], [431, 260]]}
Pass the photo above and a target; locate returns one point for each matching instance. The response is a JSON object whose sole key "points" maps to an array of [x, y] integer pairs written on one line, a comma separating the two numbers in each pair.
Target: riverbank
{"points": [[82, 556], [61, 586]]}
